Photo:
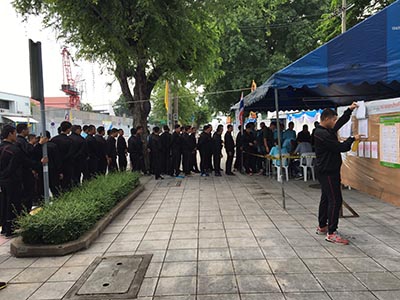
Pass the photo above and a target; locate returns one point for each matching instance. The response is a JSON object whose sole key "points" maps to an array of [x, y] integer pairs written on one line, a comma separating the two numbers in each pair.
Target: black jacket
{"points": [[165, 139], [176, 143], [229, 143], [121, 146], [186, 142], [217, 143], [101, 147], [64, 145], [248, 138], [92, 147], [155, 145], [135, 146], [111, 147], [192, 142], [78, 147], [328, 147], [205, 143], [13, 162]]}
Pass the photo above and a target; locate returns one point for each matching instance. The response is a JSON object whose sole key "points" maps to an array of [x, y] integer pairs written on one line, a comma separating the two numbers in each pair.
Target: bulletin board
{"points": [[373, 168]]}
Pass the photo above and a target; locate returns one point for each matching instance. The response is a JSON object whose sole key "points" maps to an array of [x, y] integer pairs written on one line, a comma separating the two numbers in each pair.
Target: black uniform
{"points": [[155, 150], [101, 154], [28, 180], [112, 154], [135, 149], [187, 152], [230, 151], [328, 162], [64, 146], [205, 145], [217, 148], [239, 145], [93, 158], [166, 163], [12, 164], [193, 156], [79, 157], [121, 151], [248, 158], [176, 150]]}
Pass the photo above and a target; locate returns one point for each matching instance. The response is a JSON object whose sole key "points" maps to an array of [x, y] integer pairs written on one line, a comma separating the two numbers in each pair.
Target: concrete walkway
{"points": [[229, 238]]}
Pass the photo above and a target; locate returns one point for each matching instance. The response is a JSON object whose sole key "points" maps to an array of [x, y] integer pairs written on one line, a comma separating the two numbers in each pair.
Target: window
{"points": [[4, 104]]}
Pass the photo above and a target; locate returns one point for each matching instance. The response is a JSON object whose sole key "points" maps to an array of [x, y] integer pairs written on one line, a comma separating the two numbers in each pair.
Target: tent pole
{"points": [[280, 148]]}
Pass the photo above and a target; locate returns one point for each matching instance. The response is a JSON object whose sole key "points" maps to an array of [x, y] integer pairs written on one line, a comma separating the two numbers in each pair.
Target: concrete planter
{"points": [[19, 249]]}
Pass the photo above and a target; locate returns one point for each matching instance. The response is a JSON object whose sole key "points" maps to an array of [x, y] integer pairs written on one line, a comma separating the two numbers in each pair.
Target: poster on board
{"points": [[389, 141]]}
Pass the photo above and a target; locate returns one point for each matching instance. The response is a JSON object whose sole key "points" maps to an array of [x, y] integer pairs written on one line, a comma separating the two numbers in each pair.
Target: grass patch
{"points": [[72, 214]]}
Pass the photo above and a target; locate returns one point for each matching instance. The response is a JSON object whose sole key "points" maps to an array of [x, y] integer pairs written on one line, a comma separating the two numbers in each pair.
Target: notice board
{"points": [[374, 167]]}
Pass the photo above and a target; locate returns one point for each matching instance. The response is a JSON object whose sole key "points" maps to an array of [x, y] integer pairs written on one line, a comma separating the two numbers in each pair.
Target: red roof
{"points": [[58, 102]]}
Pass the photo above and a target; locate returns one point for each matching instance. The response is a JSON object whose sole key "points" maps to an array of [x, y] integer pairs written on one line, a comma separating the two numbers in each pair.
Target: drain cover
{"points": [[111, 277]]}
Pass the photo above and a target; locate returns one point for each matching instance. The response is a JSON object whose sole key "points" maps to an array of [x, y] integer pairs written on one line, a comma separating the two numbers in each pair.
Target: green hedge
{"points": [[75, 212]]}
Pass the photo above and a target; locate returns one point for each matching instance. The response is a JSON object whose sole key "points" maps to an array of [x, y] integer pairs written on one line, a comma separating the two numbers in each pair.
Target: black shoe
{"points": [[218, 174], [2, 285]]}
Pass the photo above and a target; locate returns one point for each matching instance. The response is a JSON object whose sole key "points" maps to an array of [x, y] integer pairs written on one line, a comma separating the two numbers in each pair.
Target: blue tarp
{"points": [[360, 64]]}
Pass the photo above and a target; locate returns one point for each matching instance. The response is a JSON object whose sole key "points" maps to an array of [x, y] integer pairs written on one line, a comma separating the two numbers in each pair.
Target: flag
{"points": [[241, 109], [166, 100], [253, 86]]}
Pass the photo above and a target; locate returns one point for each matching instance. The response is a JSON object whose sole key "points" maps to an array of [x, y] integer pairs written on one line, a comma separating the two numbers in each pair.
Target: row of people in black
{"points": [[72, 156]]}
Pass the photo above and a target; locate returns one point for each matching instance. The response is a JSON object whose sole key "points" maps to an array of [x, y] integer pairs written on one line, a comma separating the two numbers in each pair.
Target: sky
{"points": [[14, 62]]}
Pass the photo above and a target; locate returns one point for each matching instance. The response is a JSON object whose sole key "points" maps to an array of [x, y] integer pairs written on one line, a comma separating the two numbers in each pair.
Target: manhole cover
{"points": [[111, 277]]}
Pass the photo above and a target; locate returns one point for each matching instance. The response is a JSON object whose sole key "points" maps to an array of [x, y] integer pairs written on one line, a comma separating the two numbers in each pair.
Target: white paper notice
{"points": [[363, 127], [345, 131], [367, 149], [390, 149], [361, 149], [361, 110], [374, 150]]}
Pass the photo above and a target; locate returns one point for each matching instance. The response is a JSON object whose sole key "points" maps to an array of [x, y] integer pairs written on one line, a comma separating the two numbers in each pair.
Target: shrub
{"points": [[75, 212]]}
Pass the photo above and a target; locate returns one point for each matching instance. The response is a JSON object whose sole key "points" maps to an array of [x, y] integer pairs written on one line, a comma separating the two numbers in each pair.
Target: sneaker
{"points": [[322, 231], [203, 175], [336, 238]]}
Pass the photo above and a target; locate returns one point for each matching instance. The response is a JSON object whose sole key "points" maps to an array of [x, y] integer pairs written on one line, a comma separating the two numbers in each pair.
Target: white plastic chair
{"points": [[285, 166], [307, 161]]}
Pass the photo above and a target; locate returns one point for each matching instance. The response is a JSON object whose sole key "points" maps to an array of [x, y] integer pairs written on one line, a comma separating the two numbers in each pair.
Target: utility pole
{"points": [[344, 13]]}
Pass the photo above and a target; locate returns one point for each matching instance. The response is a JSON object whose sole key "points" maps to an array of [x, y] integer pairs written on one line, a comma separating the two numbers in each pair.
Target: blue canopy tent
{"points": [[360, 64]]}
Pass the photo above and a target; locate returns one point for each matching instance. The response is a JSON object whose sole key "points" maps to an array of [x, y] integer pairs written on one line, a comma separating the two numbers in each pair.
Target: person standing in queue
{"points": [[135, 149], [217, 150], [92, 151], [101, 151], [176, 150], [186, 150], [122, 151], [12, 164], [205, 145], [28, 178], [239, 150], [328, 151], [79, 155], [249, 148], [64, 145], [193, 146], [165, 138], [230, 150], [112, 150], [155, 149]]}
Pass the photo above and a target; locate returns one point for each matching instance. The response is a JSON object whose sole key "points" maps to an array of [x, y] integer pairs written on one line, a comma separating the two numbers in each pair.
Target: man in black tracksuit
{"points": [[101, 151], [193, 156], [64, 145], [93, 158], [205, 145], [176, 149], [79, 154], [155, 148], [217, 148], [112, 150], [122, 150], [328, 162], [165, 139], [186, 150], [135, 149], [230, 150]]}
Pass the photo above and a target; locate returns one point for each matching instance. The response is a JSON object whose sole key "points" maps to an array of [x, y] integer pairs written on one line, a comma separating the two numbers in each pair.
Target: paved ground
{"points": [[228, 238]]}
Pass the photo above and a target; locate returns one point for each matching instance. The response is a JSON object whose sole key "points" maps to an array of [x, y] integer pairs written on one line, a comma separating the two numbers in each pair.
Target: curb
{"points": [[19, 249]]}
